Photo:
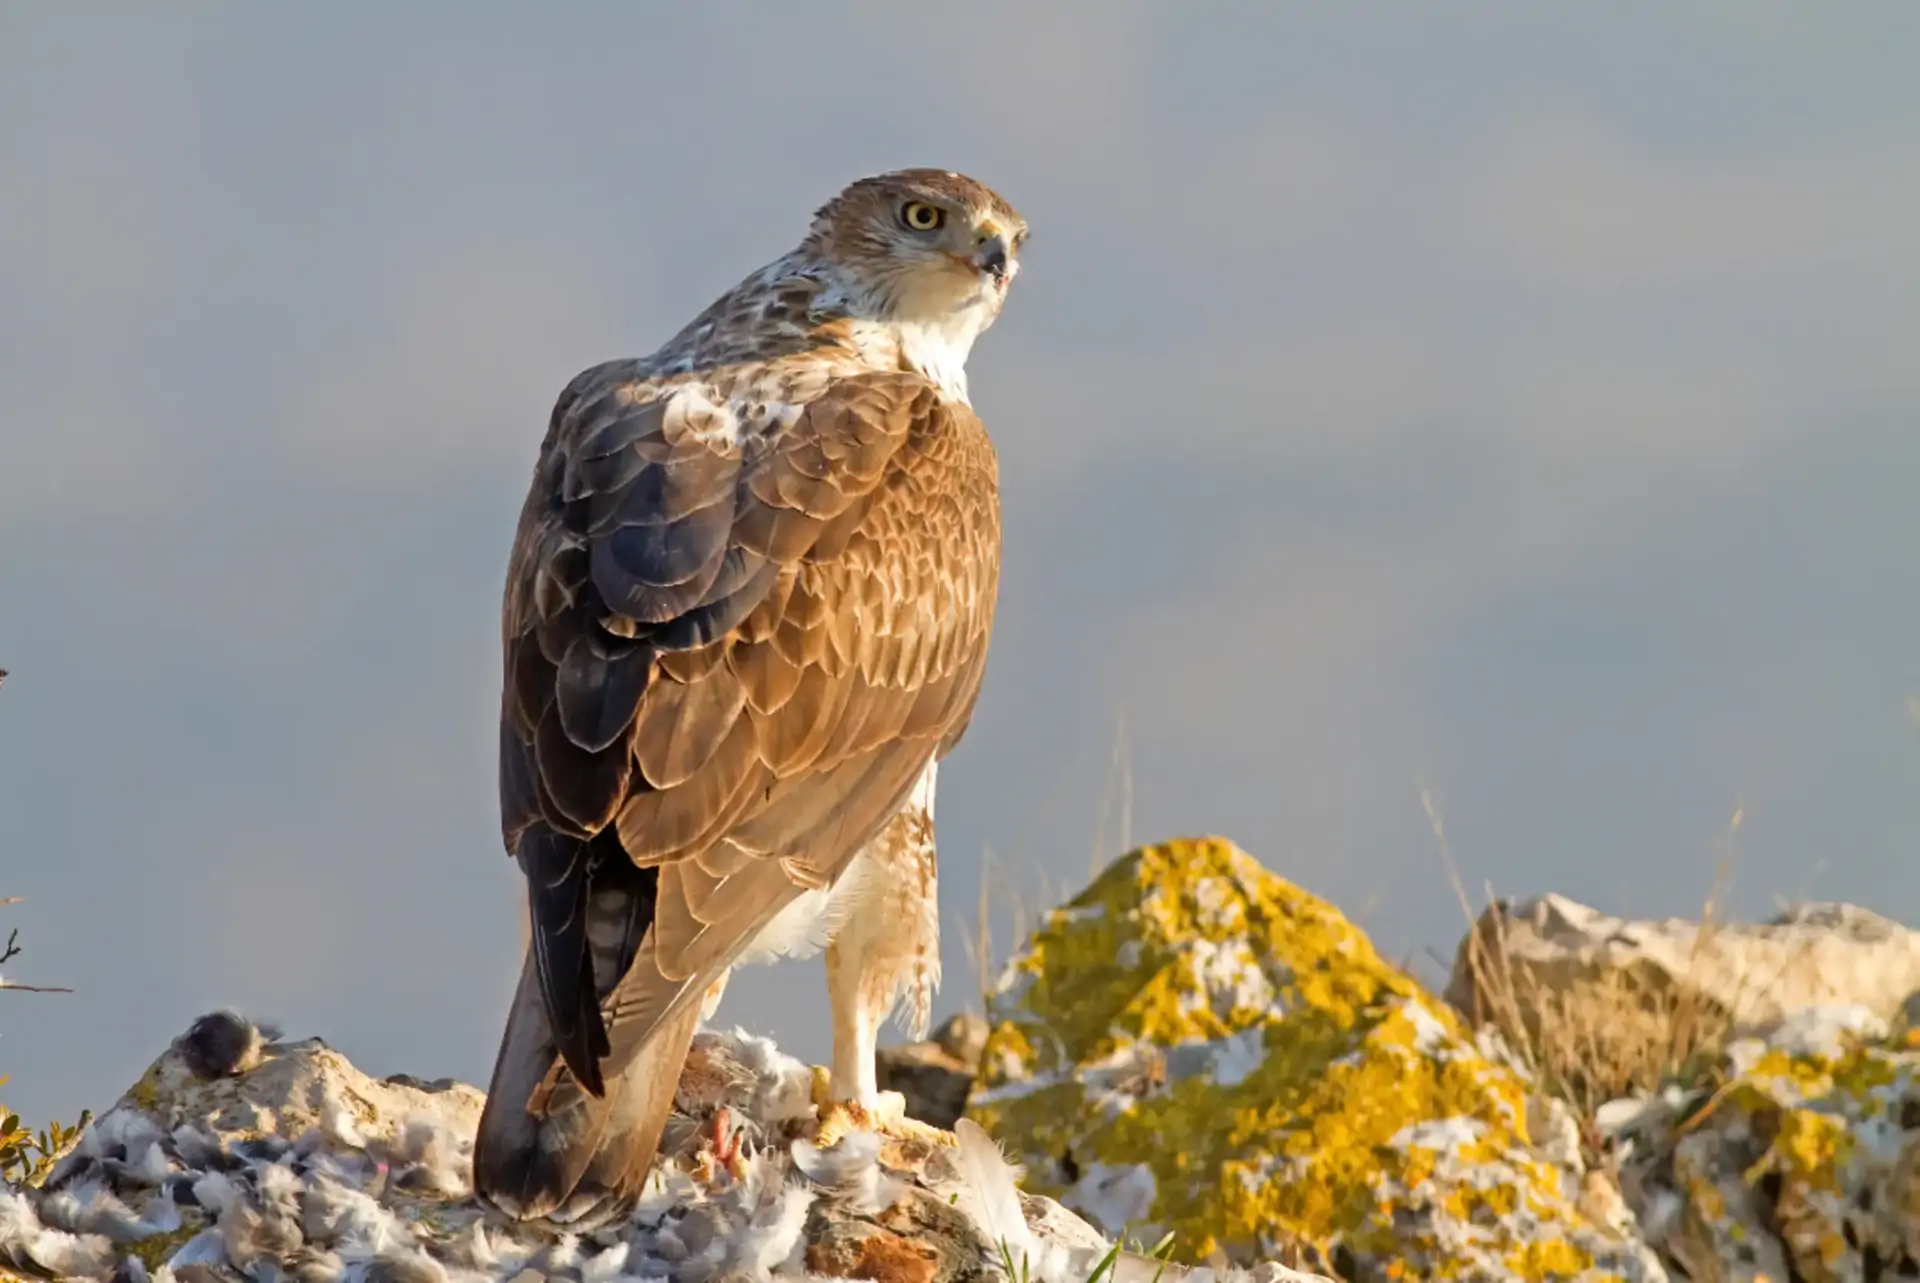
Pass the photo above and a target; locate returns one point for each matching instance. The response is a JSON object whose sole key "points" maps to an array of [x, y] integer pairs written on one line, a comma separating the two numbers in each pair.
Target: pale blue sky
{"points": [[1524, 400]]}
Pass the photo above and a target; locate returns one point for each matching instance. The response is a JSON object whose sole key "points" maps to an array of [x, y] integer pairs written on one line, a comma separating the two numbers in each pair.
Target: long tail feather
{"points": [[548, 1150]]}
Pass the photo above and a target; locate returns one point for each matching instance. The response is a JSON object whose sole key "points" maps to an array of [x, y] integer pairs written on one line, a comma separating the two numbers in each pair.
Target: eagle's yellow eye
{"points": [[922, 217]]}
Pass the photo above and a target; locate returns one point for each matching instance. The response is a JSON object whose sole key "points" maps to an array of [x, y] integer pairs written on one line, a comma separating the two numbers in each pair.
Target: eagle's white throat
{"points": [[930, 330], [939, 350]]}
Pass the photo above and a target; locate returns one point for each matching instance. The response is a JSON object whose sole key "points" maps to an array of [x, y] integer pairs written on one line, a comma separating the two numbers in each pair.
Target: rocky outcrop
{"points": [[238, 1156], [935, 1076], [1750, 976], [1194, 1044], [1798, 1157]]}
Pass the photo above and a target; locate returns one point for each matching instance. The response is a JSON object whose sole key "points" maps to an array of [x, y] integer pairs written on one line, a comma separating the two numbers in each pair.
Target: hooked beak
{"points": [[994, 256]]}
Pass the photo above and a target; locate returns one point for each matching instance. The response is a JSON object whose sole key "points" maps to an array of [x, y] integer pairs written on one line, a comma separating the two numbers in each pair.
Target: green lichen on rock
{"points": [[1196, 1045]]}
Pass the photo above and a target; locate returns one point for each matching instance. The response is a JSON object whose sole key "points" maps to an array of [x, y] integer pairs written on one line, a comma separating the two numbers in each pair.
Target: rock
{"points": [[1751, 976], [1800, 1158], [1196, 1045], [935, 1076], [236, 1156]]}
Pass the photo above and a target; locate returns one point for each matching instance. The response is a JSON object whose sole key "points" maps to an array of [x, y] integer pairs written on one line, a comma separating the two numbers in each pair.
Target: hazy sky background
{"points": [[1524, 400]]}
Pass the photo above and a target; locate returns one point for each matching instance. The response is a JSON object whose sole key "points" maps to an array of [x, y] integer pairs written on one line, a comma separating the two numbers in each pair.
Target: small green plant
{"points": [[26, 1156], [1104, 1271]]}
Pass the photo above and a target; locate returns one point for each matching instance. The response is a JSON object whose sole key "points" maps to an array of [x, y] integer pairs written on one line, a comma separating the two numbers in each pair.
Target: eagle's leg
{"points": [[887, 950]]}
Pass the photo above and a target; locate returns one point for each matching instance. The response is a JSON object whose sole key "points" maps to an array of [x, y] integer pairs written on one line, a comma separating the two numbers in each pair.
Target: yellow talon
{"points": [[822, 1088], [887, 1118]]}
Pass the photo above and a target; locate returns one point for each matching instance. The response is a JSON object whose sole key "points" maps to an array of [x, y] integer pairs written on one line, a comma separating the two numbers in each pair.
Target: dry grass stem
{"points": [[1621, 1033], [1021, 906], [1120, 780]]}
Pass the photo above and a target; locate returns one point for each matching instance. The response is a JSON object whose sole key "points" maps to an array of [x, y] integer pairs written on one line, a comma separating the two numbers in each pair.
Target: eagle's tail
{"points": [[548, 1150]]}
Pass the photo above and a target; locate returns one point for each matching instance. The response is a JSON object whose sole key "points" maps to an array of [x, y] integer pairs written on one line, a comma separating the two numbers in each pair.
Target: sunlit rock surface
{"points": [[1799, 1157], [236, 1156], [1194, 1044], [1753, 974]]}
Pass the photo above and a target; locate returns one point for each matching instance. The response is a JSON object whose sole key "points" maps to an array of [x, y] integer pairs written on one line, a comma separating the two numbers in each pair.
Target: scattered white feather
{"points": [[151, 1163], [196, 1146], [783, 1088], [159, 1215], [277, 1185], [773, 1240], [606, 1265], [341, 1202], [203, 1248], [340, 1127], [215, 1191], [61, 1209], [990, 1191], [850, 1172], [1113, 1197]]}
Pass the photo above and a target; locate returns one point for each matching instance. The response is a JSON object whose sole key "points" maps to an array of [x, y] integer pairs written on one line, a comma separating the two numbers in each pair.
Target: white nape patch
{"points": [[692, 411]]}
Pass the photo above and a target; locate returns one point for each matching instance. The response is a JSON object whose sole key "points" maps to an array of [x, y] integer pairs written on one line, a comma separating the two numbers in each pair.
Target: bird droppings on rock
{"points": [[1195, 1045], [238, 1156]]}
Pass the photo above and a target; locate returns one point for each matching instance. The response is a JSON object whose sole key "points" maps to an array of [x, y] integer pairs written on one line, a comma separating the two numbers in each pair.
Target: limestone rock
{"points": [[934, 1076], [1196, 1045], [1755, 975], [237, 1156], [1799, 1159]]}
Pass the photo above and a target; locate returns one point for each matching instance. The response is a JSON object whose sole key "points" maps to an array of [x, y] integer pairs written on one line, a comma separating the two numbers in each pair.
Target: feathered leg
{"points": [[886, 950]]}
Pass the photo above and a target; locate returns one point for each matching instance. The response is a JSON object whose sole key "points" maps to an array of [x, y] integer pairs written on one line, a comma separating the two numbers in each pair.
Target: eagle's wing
{"points": [[736, 628]]}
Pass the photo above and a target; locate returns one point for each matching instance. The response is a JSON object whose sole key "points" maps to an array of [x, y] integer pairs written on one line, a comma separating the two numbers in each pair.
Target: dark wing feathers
{"points": [[727, 659]]}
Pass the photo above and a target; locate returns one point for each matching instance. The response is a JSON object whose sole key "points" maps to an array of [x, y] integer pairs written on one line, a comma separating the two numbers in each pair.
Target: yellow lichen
{"points": [[1194, 1015], [146, 1092], [154, 1250]]}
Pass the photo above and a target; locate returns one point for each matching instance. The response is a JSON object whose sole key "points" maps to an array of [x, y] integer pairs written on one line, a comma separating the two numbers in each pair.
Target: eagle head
{"points": [[926, 248]]}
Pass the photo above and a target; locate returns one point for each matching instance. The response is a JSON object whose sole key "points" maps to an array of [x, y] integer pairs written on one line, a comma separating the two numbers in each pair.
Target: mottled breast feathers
{"points": [[742, 612]]}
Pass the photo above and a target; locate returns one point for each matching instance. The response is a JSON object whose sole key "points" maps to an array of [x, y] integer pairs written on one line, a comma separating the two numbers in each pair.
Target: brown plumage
{"points": [[747, 609]]}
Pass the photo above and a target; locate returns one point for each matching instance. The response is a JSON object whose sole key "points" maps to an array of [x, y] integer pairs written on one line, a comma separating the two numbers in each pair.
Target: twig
{"points": [[12, 950]]}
